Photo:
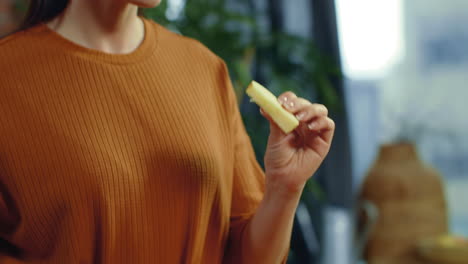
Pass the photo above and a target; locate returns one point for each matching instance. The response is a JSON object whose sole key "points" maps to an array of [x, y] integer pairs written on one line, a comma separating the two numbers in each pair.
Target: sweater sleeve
{"points": [[248, 177], [9, 221]]}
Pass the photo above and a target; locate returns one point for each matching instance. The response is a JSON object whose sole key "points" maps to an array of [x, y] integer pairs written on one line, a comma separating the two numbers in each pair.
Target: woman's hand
{"points": [[291, 159]]}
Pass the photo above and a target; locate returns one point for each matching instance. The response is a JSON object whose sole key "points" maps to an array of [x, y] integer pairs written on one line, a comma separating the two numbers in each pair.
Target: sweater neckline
{"points": [[144, 50]]}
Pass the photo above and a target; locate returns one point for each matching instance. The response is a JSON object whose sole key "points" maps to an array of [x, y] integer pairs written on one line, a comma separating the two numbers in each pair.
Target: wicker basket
{"points": [[411, 203]]}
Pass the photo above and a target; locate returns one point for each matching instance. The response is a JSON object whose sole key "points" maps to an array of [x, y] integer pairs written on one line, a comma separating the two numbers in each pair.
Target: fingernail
{"points": [[300, 116], [290, 105], [312, 125], [282, 100]]}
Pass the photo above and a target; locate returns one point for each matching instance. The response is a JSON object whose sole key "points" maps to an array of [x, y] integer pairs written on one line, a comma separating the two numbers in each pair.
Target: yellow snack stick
{"points": [[269, 103]]}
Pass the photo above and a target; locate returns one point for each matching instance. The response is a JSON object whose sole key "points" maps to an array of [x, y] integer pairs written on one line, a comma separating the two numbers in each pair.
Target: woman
{"points": [[121, 142]]}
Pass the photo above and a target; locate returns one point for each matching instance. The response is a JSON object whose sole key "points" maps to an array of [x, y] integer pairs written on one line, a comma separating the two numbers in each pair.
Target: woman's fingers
{"points": [[287, 99], [311, 111], [314, 115], [323, 125], [302, 108], [292, 103]]}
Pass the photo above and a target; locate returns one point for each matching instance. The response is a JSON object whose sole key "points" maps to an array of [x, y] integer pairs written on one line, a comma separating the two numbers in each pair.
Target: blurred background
{"points": [[394, 75]]}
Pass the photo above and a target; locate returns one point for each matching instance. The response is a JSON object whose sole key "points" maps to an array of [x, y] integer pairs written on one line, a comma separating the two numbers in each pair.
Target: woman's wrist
{"points": [[284, 187], [282, 194]]}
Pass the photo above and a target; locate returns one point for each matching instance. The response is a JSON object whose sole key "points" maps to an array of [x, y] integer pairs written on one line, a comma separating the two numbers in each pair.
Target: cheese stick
{"points": [[269, 103]]}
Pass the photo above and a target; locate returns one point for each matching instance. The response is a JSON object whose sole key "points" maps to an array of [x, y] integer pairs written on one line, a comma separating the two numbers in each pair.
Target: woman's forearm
{"points": [[268, 234], [290, 160]]}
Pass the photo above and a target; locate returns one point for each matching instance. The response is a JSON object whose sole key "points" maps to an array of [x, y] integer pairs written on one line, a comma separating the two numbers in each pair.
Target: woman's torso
{"points": [[113, 159]]}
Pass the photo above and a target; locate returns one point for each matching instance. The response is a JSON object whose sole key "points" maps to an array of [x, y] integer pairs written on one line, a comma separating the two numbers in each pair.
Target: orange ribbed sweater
{"points": [[135, 158]]}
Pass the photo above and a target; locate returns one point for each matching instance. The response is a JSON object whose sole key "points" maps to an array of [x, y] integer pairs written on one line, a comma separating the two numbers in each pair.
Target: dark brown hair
{"points": [[40, 11]]}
